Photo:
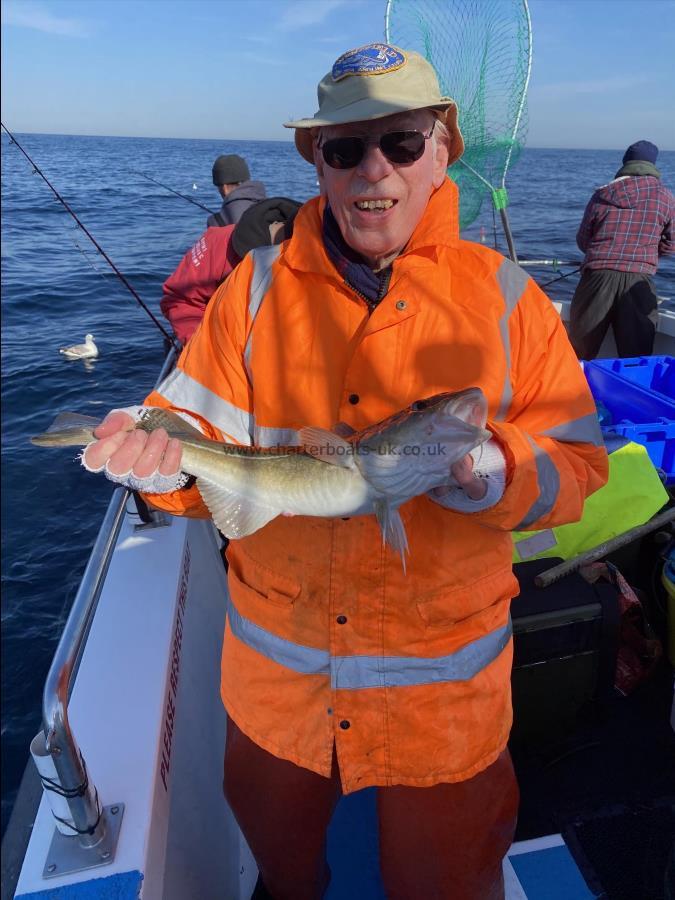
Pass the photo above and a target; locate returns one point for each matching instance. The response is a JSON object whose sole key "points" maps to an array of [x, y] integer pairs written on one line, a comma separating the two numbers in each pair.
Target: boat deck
{"points": [[541, 869]]}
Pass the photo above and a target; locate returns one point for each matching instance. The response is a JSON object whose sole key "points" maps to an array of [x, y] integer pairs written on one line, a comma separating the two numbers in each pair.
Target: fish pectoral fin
{"points": [[327, 446], [393, 529], [396, 475], [234, 515]]}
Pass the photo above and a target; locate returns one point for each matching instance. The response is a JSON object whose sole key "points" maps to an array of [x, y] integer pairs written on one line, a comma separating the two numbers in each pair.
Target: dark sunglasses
{"points": [[399, 147]]}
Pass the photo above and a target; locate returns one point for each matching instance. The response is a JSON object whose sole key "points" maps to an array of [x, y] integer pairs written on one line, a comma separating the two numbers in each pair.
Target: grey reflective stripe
{"points": [[184, 392], [264, 436], [548, 482], [297, 657], [585, 430], [263, 258], [349, 673], [512, 281]]}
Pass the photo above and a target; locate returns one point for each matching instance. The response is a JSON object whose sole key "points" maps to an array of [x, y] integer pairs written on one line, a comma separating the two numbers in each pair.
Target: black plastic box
{"points": [[565, 644]]}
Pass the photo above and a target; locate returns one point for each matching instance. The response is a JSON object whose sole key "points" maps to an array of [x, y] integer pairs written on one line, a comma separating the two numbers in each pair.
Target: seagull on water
{"points": [[88, 350]]}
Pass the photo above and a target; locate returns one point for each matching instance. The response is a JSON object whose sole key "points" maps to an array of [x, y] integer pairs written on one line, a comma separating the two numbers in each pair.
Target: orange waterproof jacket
{"points": [[327, 640]]}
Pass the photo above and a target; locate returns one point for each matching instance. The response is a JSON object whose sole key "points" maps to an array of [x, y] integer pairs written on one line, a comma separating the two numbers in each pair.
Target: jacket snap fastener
{"points": [[401, 304], [344, 724], [341, 620], [354, 399]]}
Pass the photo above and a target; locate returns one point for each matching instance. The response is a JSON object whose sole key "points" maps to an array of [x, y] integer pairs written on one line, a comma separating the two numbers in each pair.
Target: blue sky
{"points": [[603, 71]]}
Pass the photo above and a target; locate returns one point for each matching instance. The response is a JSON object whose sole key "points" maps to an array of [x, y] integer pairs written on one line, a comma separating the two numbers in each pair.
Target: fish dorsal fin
{"points": [[234, 515], [69, 420], [68, 429], [393, 529], [154, 417], [343, 430], [327, 446]]}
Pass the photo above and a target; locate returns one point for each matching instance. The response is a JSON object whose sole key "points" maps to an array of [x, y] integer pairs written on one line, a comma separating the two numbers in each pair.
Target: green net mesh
{"points": [[481, 50]]}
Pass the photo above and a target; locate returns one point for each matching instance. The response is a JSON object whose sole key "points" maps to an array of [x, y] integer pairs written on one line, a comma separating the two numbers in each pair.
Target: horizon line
{"points": [[145, 137]]}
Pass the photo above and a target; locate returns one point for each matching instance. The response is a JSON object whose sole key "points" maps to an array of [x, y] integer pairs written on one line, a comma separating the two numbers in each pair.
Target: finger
{"points": [[124, 459], [476, 488], [172, 458], [462, 471], [149, 460], [98, 453], [113, 422], [442, 490]]}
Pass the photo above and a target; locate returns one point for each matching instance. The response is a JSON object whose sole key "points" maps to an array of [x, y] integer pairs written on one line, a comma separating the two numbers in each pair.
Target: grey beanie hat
{"points": [[230, 169]]}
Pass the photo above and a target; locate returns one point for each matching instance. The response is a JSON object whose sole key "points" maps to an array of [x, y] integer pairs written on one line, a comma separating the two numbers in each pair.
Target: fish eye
{"points": [[419, 404]]}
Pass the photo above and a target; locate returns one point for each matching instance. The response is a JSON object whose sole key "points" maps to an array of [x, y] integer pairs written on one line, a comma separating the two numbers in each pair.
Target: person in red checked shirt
{"points": [[628, 224], [215, 254]]}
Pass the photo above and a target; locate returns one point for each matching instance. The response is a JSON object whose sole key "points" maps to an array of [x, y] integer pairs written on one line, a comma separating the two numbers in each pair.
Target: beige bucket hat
{"points": [[373, 81]]}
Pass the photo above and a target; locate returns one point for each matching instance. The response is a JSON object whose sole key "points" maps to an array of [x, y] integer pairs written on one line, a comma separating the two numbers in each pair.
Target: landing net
{"points": [[482, 52]]}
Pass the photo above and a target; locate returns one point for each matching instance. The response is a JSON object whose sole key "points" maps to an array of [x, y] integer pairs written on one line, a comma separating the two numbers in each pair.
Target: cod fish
{"points": [[373, 471]]}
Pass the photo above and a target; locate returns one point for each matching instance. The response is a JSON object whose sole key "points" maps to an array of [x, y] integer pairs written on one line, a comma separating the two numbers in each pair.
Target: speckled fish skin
{"points": [[376, 470]]}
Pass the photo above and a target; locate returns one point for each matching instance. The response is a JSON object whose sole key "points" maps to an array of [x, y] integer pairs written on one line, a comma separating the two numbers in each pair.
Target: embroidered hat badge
{"points": [[371, 59]]}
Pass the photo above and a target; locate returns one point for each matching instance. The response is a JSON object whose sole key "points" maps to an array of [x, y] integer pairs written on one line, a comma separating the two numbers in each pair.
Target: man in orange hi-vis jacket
{"points": [[339, 670]]}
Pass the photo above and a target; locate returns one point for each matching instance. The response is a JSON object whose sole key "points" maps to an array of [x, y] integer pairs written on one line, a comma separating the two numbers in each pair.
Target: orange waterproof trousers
{"points": [[444, 842]]}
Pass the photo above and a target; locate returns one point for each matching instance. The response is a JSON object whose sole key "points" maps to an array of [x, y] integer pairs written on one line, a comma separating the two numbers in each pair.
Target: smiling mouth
{"points": [[374, 205]]}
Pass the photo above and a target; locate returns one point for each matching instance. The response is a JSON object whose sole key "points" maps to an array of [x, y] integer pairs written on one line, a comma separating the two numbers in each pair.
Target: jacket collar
{"points": [[438, 227], [638, 167]]}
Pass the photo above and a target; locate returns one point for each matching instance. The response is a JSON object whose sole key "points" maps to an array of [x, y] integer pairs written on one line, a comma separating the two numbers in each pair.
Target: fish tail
{"points": [[68, 430]]}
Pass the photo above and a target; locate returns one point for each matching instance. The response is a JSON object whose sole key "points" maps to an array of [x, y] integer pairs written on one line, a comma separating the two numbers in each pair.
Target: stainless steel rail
{"points": [[60, 740], [81, 794]]}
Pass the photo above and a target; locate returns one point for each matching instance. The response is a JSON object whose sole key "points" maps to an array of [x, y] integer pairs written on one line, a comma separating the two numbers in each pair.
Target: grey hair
{"points": [[441, 134]]}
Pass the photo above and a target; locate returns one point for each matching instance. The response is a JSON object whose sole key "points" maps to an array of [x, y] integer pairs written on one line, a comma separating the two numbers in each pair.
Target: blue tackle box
{"points": [[636, 399]]}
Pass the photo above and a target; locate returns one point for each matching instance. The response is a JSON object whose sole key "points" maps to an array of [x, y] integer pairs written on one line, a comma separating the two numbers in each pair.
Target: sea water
{"points": [[56, 288]]}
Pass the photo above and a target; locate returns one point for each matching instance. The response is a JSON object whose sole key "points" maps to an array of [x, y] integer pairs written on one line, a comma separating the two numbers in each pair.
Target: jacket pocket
{"points": [[256, 581], [452, 605]]}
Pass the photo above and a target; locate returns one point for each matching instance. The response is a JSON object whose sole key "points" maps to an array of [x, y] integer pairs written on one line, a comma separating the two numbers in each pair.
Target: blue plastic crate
{"points": [[658, 439], [627, 402], [633, 408], [655, 373]]}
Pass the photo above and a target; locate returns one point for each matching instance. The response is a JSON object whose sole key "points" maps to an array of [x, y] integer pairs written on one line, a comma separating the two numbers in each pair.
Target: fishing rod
{"points": [[556, 263], [167, 188], [560, 277], [105, 256]]}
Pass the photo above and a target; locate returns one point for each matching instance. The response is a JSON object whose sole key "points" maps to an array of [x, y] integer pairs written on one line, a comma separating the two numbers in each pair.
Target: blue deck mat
{"points": [[353, 854], [548, 873]]}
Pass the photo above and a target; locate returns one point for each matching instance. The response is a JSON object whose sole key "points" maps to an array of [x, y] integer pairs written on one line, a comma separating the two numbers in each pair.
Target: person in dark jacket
{"points": [[214, 255], [627, 225], [233, 180]]}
